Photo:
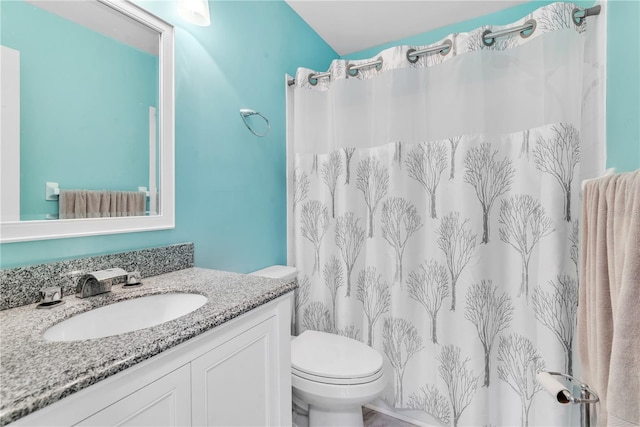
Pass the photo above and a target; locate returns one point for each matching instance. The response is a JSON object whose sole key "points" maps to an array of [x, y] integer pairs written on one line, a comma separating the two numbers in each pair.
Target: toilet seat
{"points": [[334, 397], [332, 359], [336, 381]]}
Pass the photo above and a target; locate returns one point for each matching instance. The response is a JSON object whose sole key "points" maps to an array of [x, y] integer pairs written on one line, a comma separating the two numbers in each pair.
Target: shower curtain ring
{"points": [[486, 40]]}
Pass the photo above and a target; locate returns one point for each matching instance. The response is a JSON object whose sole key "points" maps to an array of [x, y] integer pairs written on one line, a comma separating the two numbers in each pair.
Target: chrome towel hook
{"points": [[245, 112]]}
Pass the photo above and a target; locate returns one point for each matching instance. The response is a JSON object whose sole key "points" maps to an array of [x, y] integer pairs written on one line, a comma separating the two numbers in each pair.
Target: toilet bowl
{"points": [[332, 375], [335, 376]]}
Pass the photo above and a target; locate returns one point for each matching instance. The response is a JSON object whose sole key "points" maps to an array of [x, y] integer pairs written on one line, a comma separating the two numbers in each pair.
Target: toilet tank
{"points": [[277, 272], [281, 272]]}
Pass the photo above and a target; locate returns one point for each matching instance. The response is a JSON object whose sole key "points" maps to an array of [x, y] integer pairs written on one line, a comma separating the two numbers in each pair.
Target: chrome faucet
{"points": [[98, 282]]}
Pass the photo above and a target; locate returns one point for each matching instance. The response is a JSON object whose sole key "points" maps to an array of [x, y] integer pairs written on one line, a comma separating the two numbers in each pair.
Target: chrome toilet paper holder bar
{"points": [[587, 397]]}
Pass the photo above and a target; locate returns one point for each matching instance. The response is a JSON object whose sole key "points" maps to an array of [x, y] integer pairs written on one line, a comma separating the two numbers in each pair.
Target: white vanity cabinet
{"points": [[236, 383], [164, 402], [237, 374]]}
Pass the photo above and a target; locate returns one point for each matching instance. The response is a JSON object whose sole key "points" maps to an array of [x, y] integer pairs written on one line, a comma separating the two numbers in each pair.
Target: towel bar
{"points": [[563, 395]]}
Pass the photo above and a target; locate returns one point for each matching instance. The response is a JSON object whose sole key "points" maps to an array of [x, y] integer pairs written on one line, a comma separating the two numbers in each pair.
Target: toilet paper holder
{"points": [[564, 396]]}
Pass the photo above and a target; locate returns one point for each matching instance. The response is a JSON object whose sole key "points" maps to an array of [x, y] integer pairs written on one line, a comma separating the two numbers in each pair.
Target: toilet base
{"points": [[347, 417]]}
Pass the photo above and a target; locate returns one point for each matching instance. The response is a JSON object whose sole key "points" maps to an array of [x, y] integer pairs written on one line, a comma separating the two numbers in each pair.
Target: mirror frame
{"points": [[21, 231]]}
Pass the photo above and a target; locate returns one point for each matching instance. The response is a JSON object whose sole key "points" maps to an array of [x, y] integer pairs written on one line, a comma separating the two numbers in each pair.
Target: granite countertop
{"points": [[35, 373]]}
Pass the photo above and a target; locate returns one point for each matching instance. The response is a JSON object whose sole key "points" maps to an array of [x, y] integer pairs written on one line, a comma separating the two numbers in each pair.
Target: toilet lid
{"points": [[333, 356]]}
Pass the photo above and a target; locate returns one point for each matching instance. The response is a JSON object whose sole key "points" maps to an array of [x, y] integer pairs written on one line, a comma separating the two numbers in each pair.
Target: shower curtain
{"points": [[434, 212]]}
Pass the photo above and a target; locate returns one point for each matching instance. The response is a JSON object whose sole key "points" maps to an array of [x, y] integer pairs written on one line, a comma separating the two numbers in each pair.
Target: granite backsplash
{"points": [[21, 286]]}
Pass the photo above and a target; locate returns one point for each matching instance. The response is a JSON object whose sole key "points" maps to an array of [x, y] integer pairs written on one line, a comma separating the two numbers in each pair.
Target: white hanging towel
{"points": [[608, 319]]}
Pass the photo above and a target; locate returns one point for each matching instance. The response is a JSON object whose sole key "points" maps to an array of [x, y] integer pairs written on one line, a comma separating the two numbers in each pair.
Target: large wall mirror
{"points": [[87, 117]]}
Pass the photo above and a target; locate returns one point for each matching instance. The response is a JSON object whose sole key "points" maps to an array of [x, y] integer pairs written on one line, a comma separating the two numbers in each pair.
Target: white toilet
{"points": [[332, 376]]}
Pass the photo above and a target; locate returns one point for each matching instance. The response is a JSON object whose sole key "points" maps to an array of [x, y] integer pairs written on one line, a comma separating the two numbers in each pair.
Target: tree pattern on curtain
{"points": [[429, 287], [386, 236], [426, 164], [349, 239], [375, 297], [452, 241], [489, 178], [373, 181], [523, 223], [490, 314], [458, 243], [558, 156], [519, 362], [400, 220]]}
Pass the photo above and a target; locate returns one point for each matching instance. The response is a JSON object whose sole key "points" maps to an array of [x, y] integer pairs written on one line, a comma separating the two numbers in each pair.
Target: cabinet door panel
{"points": [[236, 384], [164, 402]]}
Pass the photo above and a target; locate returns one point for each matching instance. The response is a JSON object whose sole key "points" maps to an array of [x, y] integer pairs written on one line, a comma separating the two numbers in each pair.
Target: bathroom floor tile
{"points": [[377, 419], [370, 418]]}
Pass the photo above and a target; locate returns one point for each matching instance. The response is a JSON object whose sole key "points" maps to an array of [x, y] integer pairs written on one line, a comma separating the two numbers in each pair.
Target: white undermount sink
{"points": [[125, 316]]}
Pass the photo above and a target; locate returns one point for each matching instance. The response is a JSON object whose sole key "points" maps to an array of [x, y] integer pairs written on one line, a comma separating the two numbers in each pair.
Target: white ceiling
{"points": [[105, 20], [352, 25]]}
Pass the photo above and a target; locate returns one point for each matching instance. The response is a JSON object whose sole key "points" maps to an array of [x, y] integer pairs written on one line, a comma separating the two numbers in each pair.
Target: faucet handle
{"points": [[50, 297], [133, 279], [50, 294]]}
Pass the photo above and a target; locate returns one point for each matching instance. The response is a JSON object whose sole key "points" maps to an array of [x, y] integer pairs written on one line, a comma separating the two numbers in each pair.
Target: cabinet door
{"points": [[164, 402], [237, 383]]}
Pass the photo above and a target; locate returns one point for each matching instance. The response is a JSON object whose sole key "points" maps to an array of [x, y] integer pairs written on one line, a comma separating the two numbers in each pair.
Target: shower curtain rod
{"points": [[488, 38]]}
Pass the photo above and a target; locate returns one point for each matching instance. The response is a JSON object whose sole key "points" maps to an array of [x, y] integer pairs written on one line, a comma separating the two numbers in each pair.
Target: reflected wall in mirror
{"points": [[89, 105], [85, 99]]}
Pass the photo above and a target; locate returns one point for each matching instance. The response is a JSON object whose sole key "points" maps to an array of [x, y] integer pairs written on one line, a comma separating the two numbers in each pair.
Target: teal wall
{"points": [[230, 184], [623, 85], [84, 101], [623, 70]]}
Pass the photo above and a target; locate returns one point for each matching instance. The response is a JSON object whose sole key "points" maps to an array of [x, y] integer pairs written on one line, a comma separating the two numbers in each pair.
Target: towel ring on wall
{"points": [[245, 112]]}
